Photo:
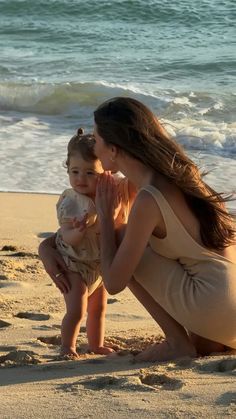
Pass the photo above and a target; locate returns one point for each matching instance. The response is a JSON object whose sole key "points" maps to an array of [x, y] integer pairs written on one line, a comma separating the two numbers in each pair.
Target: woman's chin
{"points": [[111, 167]]}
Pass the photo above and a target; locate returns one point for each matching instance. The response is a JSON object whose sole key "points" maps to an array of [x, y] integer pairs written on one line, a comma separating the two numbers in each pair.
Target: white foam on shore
{"points": [[33, 148]]}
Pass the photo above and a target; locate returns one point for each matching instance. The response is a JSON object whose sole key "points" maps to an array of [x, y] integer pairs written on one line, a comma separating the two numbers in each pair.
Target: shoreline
{"points": [[29, 192]]}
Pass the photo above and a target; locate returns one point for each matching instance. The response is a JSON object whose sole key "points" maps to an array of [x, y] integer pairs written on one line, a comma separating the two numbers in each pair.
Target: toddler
{"points": [[77, 240]]}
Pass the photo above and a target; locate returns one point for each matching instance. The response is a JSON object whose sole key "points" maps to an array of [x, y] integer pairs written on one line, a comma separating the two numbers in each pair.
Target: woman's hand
{"points": [[54, 264], [107, 200]]}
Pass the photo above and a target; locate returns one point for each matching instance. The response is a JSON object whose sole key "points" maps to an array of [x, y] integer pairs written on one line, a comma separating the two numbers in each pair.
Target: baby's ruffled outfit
{"points": [[85, 258]]}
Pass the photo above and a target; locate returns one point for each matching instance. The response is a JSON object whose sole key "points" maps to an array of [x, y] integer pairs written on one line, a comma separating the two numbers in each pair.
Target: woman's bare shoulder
{"points": [[178, 203], [145, 206]]}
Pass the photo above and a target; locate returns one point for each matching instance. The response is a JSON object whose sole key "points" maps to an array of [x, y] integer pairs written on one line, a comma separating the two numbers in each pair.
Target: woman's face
{"points": [[104, 152]]}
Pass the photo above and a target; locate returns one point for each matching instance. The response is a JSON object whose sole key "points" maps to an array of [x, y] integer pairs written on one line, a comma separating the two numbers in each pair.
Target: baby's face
{"points": [[84, 174]]}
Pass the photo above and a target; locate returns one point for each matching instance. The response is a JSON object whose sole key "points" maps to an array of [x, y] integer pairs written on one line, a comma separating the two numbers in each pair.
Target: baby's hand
{"points": [[81, 225]]}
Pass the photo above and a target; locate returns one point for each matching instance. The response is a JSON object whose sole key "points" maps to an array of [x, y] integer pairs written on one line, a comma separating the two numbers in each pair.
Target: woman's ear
{"points": [[114, 152]]}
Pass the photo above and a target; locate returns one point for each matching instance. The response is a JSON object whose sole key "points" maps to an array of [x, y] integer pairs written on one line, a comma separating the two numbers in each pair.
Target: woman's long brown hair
{"points": [[132, 127]]}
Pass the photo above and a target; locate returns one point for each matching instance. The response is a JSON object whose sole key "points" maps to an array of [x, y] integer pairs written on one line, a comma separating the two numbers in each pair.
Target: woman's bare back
{"points": [[178, 203]]}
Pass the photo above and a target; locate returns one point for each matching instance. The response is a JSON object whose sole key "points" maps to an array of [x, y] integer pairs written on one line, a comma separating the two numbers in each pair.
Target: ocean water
{"points": [[59, 59]]}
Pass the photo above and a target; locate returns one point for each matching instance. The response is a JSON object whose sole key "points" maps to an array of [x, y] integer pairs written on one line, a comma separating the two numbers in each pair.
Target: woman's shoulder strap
{"points": [[163, 204]]}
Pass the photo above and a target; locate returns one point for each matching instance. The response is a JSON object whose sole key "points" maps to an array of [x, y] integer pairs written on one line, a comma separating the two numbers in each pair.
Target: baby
{"points": [[77, 240]]}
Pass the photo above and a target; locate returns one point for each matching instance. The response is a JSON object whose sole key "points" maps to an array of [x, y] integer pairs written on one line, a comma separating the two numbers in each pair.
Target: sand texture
{"points": [[36, 383]]}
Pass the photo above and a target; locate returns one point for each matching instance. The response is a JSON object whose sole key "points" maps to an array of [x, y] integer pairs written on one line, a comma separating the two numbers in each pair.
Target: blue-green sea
{"points": [[59, 59]]}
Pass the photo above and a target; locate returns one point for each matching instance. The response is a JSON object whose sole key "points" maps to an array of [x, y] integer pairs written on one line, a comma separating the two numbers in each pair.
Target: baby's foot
{"points": [[68, 353], [102, 350]]}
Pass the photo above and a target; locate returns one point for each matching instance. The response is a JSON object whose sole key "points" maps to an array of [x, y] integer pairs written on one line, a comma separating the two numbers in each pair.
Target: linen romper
{"points": [[195, 285], [85, 258]]}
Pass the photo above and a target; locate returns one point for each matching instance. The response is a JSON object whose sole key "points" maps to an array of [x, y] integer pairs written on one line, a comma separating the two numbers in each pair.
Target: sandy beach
{"points": [[35, 383]]}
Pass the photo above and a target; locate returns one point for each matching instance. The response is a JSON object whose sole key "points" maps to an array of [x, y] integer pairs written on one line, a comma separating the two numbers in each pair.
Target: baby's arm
{"points": [[73, 231]]}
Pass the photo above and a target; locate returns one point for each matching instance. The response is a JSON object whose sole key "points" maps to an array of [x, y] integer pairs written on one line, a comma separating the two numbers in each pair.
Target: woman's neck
{"points": [[138, 174]]}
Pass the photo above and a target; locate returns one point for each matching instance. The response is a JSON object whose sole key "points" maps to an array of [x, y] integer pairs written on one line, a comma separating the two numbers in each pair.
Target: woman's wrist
{"points": [[107, 226], [108, 218], [107, 230]]}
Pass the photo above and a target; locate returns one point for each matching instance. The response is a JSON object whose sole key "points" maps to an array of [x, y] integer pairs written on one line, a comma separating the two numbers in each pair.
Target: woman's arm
{"points": [[118, 265], [54, 263], [132, 193]]}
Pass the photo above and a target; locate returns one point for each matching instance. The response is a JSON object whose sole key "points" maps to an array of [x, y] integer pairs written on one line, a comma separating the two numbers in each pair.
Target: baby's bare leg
{"points": [[76, 305], [97, 303]]}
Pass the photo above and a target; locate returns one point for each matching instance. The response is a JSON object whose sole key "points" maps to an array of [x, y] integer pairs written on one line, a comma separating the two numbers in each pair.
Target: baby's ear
{"points": [[80, 131]]}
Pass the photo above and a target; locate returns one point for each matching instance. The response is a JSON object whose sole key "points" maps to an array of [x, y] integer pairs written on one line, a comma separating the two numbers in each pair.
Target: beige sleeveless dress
{"points": [[196, 286]]}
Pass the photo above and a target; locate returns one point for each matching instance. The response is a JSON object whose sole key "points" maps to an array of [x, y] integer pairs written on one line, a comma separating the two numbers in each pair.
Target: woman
{"points": [[179, 240]]}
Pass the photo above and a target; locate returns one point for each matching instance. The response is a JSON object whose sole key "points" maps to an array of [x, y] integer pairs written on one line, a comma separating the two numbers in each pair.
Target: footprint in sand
{"points": [[25, 255], [11, 284], [108, 382], [46, 327], [112, 300], [223, 365], [33, 316], [3, 278], [9, 248], [54, 326], [161, 381], [50, 340], [19, 357], [45, 234], [227, 399], [147, 382], [132, 344], [123, 317], [5, 348], [18, 253], [4, 324]]}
